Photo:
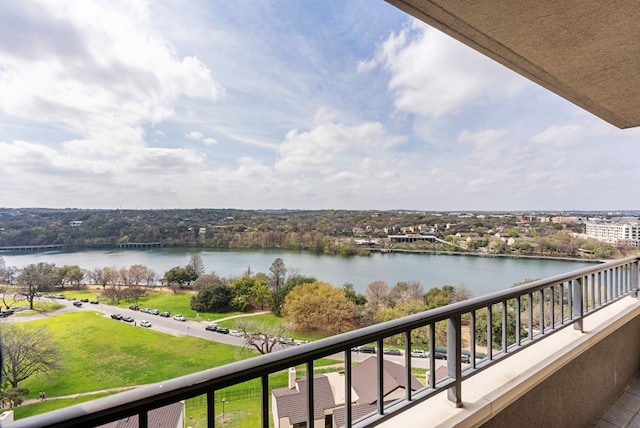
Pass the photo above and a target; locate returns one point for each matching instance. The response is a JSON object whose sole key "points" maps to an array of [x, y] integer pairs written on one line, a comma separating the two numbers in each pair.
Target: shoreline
{"points": [[462, 253]]}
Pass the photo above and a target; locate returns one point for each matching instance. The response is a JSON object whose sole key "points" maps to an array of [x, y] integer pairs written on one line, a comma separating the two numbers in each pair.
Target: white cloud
{"points": [[210, 141], [433, 75], [561, 136], [319, 149], [195, 135], [100, 80], [484, 137]]}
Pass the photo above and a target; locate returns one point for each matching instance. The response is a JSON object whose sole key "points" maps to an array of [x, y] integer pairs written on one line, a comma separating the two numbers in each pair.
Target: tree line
{"points": [[322, 231]]}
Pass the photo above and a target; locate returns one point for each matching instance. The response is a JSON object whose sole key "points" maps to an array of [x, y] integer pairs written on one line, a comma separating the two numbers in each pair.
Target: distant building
{"points": [[75, 223], [561, 219], [614, 232]]}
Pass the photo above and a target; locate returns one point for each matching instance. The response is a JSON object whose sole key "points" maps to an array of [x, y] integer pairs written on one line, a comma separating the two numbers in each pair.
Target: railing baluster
{"points": [[264, 400], [310, 402], [407, 364], [143, 419], [454, 365], [577, 303], [561, 302], [552, 299], [530, 314], [348, 414], [432, 349], [504, 327], [592, 283], [489, 333], [541, 310], [518, 322], [380, 370], [472, 339], [211, 409]]}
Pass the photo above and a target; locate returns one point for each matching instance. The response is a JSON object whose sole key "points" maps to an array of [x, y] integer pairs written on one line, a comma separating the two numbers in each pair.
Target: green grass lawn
{"points": [[99, 353], [103, 353], [176, 303]]}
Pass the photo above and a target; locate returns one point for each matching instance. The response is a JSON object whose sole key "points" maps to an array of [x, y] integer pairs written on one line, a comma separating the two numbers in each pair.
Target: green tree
{"points": [[278, 296], [350, 293], [212, 298], [318, 306]]}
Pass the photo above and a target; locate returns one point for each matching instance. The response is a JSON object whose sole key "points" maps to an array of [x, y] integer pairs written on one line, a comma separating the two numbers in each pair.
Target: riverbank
{"points": [[488, 255]]}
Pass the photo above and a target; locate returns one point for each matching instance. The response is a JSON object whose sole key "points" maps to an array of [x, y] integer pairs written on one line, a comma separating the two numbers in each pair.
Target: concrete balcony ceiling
{"points": [[588, 52]]}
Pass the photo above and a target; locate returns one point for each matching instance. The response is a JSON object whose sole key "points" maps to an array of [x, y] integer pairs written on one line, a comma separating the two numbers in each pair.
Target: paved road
{"points": [[189, 327]]}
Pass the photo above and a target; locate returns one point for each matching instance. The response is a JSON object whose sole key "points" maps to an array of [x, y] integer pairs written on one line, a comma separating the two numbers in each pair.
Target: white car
{"points": [[419, 353], [180, 317], [235, 333], [145, 323]]}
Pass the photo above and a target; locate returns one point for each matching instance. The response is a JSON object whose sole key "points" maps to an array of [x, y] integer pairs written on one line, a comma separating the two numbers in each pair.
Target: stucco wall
{"points": [[578, 394]]}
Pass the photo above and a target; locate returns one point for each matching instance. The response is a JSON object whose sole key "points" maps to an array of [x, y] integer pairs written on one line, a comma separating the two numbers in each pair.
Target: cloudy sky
{"points": [[341, 104]]}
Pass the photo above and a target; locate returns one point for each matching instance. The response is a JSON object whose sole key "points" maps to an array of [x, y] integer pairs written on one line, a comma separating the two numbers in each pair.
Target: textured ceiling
{"points": [[585, 51]]}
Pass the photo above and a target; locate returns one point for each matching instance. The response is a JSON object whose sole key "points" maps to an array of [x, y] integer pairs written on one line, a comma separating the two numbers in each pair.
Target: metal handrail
{"points": [[572, 295]]}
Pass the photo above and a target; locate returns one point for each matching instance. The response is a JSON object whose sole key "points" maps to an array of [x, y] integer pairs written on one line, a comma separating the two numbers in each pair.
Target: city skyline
{"points": [[323, 105]]}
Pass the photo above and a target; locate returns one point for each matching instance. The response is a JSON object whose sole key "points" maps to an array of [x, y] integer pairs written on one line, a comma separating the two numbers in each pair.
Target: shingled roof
{"points": [[292, 402], [364, 380], [163, 417]]}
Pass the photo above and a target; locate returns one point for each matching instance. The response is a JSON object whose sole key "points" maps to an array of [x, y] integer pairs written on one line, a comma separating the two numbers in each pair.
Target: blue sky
{"points": [[283, 104]]}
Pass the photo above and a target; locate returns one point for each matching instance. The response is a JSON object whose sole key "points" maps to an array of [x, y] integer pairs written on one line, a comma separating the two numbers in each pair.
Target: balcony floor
{"points": [[625, 412]]}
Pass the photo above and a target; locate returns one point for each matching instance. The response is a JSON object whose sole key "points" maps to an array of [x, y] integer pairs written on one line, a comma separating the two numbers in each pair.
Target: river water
{"points": [[481, 275]]}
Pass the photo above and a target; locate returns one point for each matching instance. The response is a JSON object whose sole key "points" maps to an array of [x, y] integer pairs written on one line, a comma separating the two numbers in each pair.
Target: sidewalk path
{"points": [[81, 394], [252, 314]]}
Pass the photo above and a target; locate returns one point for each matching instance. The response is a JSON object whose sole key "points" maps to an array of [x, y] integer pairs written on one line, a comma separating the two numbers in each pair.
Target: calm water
{"points": [[481, 275]]}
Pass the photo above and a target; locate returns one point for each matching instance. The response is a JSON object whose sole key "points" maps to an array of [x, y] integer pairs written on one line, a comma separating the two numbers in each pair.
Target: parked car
{"points": [[134, 307], [77, 303], [128, 319], [367, 349], [154, 312], [286, 341], [85, 300], [145, 310], [165, 314], [465, 358], [94, 302], [235, 333], [211, 327], [116, 316], [419, 353], [440, 355], [6, 313], [223, 330], [180, 317], [145, 323], [391, 351]]}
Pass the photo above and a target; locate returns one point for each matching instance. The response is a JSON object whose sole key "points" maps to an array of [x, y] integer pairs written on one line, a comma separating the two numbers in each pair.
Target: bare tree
{"points": [[198, 265], [27, 351], [406, 291], [6, 293], [277, 275], [36, 278], [261, 337], [377, 294]]}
